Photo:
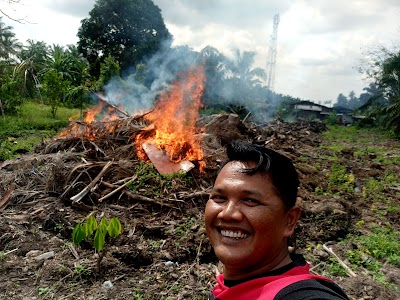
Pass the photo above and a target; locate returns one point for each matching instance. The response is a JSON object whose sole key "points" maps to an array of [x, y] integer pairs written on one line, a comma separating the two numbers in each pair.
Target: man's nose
{"points": [[231, 211]]}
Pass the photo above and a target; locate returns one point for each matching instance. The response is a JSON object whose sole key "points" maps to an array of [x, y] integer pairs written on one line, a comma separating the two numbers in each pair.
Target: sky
{"points": [[320, 43]]}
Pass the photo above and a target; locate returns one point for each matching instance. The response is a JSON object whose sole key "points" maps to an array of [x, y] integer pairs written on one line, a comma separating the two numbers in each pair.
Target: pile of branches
{"points": [[78, 169]]}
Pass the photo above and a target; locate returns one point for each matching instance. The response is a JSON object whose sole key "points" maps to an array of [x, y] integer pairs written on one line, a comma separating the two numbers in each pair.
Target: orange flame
{"points": [[172, 121], [85, 128], [174, 117]]}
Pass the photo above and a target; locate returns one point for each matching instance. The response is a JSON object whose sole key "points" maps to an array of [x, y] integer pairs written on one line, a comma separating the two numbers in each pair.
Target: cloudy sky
{"points": [[320, 42]]}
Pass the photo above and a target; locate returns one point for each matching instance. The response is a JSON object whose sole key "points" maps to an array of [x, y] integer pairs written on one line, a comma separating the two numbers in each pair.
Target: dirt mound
{"points": [[163, 250]]}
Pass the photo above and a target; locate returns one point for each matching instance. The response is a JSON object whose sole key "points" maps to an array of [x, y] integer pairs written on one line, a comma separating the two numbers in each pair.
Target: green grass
{"points": [[32, 125], [375, 239]]}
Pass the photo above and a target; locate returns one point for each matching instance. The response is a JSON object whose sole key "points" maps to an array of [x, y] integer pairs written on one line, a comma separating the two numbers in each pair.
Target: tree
{"points": [[241, 67], [389, 81], [341, 101], [242, 82], [109, 68], [9, 45], [214, 67], [384, 70], [353, 101], [33, 59], [128, 30], [55, 88]]}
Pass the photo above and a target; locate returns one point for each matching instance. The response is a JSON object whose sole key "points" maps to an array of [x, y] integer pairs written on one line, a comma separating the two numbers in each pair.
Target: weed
{"points": [[382, 243], [82, 270], [43, 291], [335, 269], [340, 180], [182, 229], [154, 245], [137, 294], [150, 182]]}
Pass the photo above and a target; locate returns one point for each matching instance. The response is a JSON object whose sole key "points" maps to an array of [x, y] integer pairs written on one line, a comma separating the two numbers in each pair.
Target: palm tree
{"points": [[240, 67], [32, 58], [9, 45], [385, 105], [214, 64], [241, 83]]}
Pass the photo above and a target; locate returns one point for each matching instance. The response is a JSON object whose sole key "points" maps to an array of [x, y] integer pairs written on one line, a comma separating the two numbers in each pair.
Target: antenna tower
{"points": [[271, 60]]}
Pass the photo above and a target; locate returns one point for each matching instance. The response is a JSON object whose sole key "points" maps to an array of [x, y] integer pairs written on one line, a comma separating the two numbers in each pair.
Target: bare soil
{"points": [[163, 252]]}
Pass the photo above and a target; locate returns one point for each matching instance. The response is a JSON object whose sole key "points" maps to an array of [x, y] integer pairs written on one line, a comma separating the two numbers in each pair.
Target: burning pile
{"points": [[173, 122], [169, 140]]}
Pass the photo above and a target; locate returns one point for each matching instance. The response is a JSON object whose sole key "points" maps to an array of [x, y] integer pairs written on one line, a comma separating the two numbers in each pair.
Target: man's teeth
{"points": [[234, 234]]}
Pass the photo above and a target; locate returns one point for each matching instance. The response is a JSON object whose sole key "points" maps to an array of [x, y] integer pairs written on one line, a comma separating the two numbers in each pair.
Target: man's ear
{"points": [[293, 215]]}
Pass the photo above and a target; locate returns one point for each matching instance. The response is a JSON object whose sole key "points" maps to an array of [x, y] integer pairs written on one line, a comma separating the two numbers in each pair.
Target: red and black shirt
{"points": [[289, 282]]}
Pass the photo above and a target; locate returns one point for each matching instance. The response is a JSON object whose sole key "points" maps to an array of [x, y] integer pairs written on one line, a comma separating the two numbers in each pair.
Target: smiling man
{"points": [[249, 217]]}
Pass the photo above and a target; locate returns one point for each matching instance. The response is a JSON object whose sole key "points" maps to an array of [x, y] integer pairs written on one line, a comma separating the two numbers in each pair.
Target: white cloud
{"points": [[320, 43]]}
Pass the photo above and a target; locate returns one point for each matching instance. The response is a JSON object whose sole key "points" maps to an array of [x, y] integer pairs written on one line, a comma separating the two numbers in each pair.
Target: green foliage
{"points": [[55, 88], [137, 294], [340, 181], [150, 182], [108, 69], [85, 231], [43, 291], [332, 119], [382, 243], [137, 25], [9, 45], [101, 231], [385, 71], [82, 271], [32, 125], [335, 269], [9, 96], [140, 73], [182, 229]]}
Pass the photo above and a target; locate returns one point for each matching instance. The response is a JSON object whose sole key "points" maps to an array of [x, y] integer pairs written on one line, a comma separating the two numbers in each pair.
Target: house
{"points": [[307, 110]]}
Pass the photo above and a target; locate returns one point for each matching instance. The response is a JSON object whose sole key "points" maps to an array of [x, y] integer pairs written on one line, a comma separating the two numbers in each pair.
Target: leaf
{"points": [[103, 223], [99, 239], [78, 234], [90, 226], [114, 227]]}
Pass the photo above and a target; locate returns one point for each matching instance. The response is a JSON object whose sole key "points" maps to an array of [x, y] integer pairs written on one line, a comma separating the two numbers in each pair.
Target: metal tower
{"points": [[271, 60]]}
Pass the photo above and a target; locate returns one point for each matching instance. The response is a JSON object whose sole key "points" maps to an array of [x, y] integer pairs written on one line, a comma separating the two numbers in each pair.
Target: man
{"points": [[249, 217]]}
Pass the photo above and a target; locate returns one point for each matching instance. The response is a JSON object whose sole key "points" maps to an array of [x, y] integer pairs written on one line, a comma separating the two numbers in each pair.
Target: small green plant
{"points": [[43, 291], [150, 182], [340, 180], [382, 243], [82, 270], [100, 230], [335, 269], [137, 294]]}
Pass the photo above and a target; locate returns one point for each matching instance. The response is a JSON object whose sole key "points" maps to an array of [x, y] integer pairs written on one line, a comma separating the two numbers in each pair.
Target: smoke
{"points": [[226, 91], [140, 87]]}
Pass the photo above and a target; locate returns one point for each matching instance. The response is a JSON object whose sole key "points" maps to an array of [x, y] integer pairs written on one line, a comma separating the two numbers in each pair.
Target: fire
{"points": [[172, 121], [87, 128], [174, 117]]}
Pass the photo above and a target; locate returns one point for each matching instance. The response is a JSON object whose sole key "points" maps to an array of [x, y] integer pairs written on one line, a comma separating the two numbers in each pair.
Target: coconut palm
{"points": [[9, 45], [241, 68]]}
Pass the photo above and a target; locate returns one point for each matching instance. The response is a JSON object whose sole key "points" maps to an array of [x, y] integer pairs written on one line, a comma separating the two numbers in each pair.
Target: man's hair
{"points": [[279, 167]]}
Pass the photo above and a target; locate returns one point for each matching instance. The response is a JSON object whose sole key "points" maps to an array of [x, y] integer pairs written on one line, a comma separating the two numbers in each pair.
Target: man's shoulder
{"points": [[312, 289]]}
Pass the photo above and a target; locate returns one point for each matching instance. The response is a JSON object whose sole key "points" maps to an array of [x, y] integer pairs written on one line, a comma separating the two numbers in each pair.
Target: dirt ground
{"points": [[163, 252]]}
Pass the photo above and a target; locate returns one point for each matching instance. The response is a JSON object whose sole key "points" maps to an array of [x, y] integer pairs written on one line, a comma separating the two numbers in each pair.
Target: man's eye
{"points": [[252, 202], [217, 198]]}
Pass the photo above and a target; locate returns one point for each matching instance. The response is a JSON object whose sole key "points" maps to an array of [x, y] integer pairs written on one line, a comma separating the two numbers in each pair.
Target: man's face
{"points": [[246, 221]]}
